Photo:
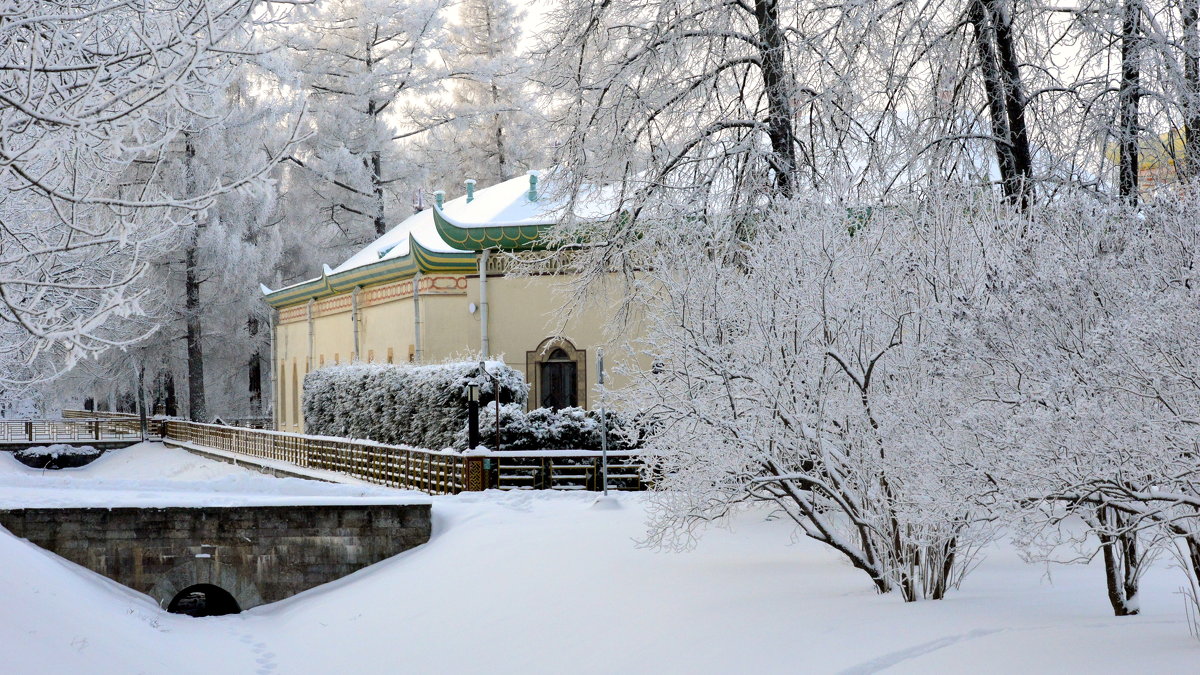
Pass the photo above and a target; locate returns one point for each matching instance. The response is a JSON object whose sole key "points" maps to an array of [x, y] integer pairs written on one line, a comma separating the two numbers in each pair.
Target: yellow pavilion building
{"points": [[435, 288]]}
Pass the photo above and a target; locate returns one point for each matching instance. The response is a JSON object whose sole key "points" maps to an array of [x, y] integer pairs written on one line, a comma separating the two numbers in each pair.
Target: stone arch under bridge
{"points": [[206, 571], [257, 554]]}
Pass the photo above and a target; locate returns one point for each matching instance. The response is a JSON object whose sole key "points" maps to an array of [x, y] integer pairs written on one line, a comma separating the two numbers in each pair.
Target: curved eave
{"points": [[380, 272], [441, 262], [384, 271], [313, 288], [508, 237]]}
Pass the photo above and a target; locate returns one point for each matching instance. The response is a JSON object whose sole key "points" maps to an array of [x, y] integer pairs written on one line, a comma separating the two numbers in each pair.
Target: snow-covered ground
{"points": [[544, 583], [150, 474]]}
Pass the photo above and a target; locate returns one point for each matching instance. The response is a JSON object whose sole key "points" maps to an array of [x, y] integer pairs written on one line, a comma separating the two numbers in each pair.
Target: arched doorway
{"points": [[557, 374], [203, 600], [558, 378]]}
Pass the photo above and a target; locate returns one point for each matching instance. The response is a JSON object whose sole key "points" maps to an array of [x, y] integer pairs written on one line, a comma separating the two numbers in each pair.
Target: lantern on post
{"points": [[473, 415]]}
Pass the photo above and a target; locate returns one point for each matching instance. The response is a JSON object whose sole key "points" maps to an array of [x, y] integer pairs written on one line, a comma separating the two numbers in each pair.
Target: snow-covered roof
{"points": [[503, 204], [508, 204], [390, 257], [510, 215], [395, 242]]}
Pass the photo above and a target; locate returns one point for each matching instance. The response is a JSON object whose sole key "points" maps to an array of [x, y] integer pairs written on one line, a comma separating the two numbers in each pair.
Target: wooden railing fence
{"points": [[74, 429], [393, 466], [431, 471]]}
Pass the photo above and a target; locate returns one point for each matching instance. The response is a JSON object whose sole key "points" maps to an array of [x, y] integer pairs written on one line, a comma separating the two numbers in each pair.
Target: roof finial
{"points": [[470, 190], [439, 197], [533, 179]]}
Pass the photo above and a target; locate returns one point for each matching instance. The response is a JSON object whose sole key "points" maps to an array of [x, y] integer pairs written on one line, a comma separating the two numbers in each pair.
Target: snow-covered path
{"points": [[543, 583]]}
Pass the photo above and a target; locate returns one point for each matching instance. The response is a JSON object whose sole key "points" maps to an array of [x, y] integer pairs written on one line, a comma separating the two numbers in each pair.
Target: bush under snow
{"points": [[422, 406], [546, 429], [57, 456]]}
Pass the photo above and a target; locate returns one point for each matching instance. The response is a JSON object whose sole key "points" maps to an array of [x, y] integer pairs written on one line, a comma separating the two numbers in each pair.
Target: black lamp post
{"points": [[473, 415]]}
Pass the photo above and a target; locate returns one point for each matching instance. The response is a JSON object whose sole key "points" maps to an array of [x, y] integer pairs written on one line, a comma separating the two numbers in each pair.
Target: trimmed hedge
{"points": [[546, 429], [421, 406]]}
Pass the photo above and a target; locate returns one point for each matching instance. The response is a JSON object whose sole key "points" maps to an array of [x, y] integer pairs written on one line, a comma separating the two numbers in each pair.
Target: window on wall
{"points": [[390, 355], [558, 381]]}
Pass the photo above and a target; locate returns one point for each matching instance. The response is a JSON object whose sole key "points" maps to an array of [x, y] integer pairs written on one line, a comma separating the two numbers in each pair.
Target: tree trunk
{"points": [[255, 371], [1005, 99], [1121, 562], [1129, 96], [777, 84], [1190, 16], [1014, 99], [1193, 549], [501, 159], [197, 409], [164, 394], [376, 155]]}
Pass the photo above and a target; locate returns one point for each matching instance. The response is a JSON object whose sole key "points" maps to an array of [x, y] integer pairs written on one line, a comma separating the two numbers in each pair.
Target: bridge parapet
{"points": [[118, 431], [259, 554]]}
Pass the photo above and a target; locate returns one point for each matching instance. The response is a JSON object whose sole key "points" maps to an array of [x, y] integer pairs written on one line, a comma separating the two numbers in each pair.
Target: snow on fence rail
{"points": [[432, 471], [406, 467], [247, 422], [393, 466]]}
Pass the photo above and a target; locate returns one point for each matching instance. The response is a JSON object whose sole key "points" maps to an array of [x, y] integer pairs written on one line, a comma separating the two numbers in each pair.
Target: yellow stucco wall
{"points": [[524, 312]]}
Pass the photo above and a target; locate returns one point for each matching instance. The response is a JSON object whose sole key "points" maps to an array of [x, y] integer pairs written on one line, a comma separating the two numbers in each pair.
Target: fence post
{"points": [[29, 429], [96, 429], [474, 478]]}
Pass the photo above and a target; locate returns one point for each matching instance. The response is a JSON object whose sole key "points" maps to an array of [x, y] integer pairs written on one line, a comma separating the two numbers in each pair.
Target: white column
{"points": [[354, 319], [308, 364], [418, 322], [485, 349], [274, 371]]}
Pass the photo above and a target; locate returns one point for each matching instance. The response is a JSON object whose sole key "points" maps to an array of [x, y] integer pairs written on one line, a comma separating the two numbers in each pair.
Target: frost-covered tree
{"points": [[361, 62], [208, 325], [93, 96], [1084, 355], [803, 371], [487, 125]]}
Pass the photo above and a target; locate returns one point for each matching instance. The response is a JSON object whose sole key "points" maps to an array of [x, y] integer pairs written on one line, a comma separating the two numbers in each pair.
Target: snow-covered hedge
{"points": [[545, 429], [423, 406], [57, 456]]}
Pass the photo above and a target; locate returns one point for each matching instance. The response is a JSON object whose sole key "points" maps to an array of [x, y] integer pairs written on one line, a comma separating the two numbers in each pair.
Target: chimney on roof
{"points": [[533, 179], [439, 197], [470, 190]]}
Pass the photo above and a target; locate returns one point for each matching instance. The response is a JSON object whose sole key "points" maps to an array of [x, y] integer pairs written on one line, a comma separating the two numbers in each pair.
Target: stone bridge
{"points": [[228, 558]]}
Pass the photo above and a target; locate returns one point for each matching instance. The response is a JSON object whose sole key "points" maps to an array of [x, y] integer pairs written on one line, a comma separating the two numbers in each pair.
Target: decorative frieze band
{"points": [[376, 295]]}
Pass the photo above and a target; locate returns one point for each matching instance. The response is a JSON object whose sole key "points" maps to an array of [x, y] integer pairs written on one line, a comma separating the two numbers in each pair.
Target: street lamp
{"points": [[603, 420], [473, 415]]}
